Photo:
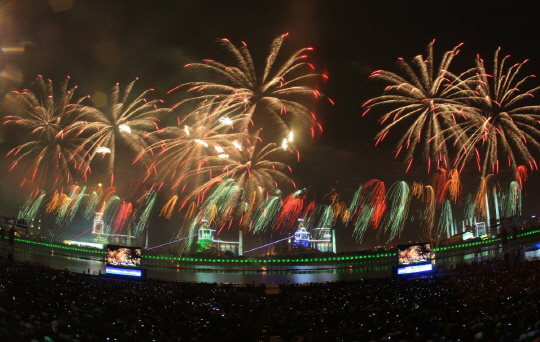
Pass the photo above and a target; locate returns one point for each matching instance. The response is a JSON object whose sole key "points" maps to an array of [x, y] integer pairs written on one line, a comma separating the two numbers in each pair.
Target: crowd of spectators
{"points": [[38, 303], [492, 301]]}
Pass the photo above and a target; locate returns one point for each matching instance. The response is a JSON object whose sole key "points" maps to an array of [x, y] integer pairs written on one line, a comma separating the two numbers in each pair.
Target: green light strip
{"points": [[63, 247], [356, 257], [273, 261]]}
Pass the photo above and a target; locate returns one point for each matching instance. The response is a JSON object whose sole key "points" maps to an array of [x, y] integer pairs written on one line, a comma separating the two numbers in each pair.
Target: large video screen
{"points": [[122, 256], [414, 254]]}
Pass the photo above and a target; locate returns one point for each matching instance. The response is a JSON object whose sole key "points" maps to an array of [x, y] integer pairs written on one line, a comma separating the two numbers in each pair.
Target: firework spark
{"points": [[399, 199], [32, 205], [192, 147], [371, 207], [426, 98], [256, 171], [145, 206], [503, 128], [280, 96], [51, 144], [445, 220], [126, 124]]}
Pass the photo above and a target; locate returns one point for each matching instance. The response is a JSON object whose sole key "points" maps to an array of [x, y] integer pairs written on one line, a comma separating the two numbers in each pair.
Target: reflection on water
{"points": [[268, 277], [208, 273]]}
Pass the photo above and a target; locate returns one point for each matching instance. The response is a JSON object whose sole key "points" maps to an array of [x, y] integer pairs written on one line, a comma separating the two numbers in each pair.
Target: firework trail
{"points": [[312, 214], [220, 204], [123, 217], [362, 222], [202, 138], [144, 211], [108, 194], [256, 172], [31, 207], [428, 100], [511, 200], [78, 198], [445, 220], [373, 195], [168, 208], [496, 196], [90, 204], [63, 210], [309, 214], [327, 218], [244, 211], [514, 197], [502, 126], [124, 124], [371, 207], [51, 144], [56, 202], [439, 181], [110, 208], [291, 211], [427, 195], [216, 210], [447, 184], [454, 186], [469, 209], [144, 207], [276, 99], [417, 190], [354, 206], [183, 245], [481, 200], [339, 208], [521, 175], [69, 208], [429, 213], [398, 201]]}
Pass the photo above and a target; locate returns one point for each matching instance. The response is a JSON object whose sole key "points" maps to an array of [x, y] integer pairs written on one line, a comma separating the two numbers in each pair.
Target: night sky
{"points": [[99, 43]]}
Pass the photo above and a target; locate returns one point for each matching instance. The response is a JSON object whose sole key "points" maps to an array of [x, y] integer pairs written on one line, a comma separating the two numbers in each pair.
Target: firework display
{"points": [[128, 124], [428, 98], [503, 124], [489, 118], [222, 155], [276, 99], [52, 144]]}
